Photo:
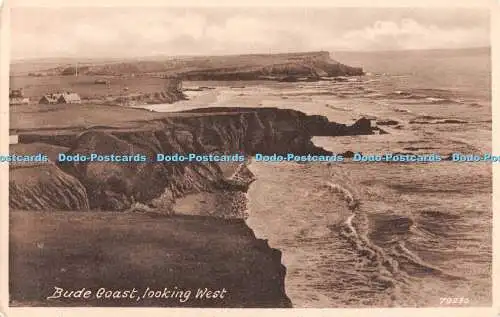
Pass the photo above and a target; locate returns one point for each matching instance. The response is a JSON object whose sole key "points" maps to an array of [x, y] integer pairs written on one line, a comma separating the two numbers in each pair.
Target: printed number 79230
{"points": [[453, 300]]}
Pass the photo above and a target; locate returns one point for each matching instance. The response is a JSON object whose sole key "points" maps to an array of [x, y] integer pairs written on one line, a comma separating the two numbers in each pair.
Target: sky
{"points": [[141, 32]]}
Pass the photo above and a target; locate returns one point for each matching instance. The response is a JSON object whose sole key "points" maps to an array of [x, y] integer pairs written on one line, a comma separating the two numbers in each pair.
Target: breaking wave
{"points": [[382, 244], [425, 96]]}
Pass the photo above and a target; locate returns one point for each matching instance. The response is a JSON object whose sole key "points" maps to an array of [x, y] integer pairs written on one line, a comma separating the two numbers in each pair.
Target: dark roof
{"points": [[51, 97]]}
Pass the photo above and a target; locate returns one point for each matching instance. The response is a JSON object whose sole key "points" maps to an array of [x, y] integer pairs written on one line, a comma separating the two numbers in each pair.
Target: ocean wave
{"points": [[391, 261], [345, 109], [346, 194], [354, 230], [419, 266], [401, 110], [426, 96], [436, 100]]}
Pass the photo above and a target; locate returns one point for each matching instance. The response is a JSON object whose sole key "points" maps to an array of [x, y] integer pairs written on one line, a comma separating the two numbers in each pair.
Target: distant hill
{"points": [[56, 64], [309, 65]]}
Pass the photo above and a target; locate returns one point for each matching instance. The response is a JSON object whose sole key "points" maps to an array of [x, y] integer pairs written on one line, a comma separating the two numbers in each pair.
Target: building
{"points": [[67, 97], [16, 97], [49, 99], [70, 97]]}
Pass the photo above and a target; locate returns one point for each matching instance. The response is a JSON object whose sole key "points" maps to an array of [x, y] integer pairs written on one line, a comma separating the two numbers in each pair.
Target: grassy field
{"points": [[77, 116], [123, 251], [61, 118]]}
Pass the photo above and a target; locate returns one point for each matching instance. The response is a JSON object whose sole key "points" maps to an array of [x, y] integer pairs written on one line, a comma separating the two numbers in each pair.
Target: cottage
{"points": [[67, 97], [16, 97], [70, 97]]}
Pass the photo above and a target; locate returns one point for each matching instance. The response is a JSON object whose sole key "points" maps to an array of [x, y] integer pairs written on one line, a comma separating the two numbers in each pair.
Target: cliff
{"points": [[167, 242], [119, 186], [158, 97]]}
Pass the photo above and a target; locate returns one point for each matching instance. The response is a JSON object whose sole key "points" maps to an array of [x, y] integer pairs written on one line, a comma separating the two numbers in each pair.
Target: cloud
{"points": [[409, 34], [139, 32], [254, 34]]}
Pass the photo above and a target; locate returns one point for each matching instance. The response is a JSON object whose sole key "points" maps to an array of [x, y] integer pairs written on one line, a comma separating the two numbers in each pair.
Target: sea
{"points": [[375, 234]]}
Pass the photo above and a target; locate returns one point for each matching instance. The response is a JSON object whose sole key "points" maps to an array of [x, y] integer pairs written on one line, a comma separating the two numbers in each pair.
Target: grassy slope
{"points": [[38, 118], [64, 116]]}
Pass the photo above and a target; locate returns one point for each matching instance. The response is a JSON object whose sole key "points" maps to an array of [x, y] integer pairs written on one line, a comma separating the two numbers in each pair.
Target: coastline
{"points": [[204, 191], [273, 235], [166, 208], [352, 227]]}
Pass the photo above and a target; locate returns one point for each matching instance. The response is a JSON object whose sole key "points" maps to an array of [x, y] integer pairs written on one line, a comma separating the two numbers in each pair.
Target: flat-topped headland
{"points": [[308, 66]]}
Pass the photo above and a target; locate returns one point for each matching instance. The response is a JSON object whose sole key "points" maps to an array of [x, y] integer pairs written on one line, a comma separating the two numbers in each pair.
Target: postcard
{"points": [[302, 158]]}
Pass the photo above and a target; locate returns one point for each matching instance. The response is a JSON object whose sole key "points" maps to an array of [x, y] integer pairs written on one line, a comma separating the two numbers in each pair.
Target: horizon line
{"points": [[244, 54]]}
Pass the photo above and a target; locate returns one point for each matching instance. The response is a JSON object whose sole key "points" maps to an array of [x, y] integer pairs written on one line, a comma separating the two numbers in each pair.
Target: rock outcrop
{"points": [[159, 97], [45, 187]]}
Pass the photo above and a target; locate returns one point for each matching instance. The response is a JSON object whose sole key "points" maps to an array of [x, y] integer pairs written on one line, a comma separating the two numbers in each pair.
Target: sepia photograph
{"points": [[250, 157]]}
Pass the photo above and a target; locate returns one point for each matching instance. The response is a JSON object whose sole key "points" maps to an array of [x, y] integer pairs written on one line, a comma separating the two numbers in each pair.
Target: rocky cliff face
{"points": [[166, 96], [119, 186], [234, 258]]}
